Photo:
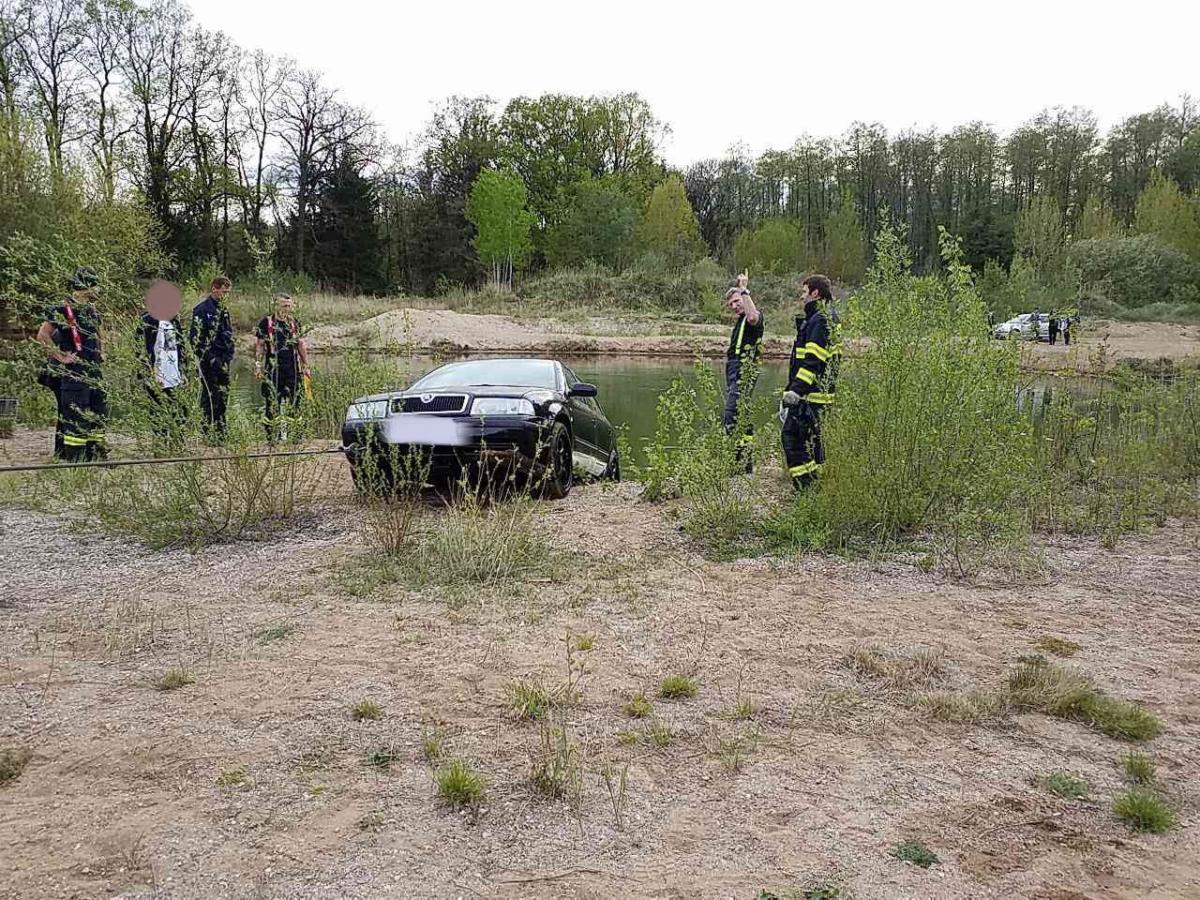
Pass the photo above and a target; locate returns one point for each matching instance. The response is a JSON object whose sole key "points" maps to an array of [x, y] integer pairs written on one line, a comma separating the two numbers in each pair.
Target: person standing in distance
{"points": [[280, 357], [211, 337], [741, 366], [810, 386]]}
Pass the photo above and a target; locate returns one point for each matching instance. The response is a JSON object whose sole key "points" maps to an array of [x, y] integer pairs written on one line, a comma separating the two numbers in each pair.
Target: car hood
{"points": [[475, 390]]}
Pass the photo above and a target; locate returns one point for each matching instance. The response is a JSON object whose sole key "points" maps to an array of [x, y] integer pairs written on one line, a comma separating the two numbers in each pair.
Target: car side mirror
{"points": [[583, 389]]}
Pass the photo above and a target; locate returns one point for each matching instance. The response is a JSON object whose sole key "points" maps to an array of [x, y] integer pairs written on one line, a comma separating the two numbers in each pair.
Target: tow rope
{"points": [[115, 463]]}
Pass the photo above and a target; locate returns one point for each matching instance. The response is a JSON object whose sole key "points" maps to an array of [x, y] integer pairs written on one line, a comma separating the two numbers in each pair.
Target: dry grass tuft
{"points": [[899, 673], [173, 680], [969, 707]]}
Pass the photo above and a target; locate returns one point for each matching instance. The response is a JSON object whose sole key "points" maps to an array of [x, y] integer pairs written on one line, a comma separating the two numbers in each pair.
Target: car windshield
{"points": [[520, 372]]}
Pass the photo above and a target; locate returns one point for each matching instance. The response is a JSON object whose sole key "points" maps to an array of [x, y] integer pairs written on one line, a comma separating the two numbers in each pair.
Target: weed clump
{"points": [[1058, 646], [433, 746], [530, 699], [916, 853], [556, 771], [1059, 692], [659, 735], [584, 642], [458, 785], [677, 687], [381, 758], [1143, 810], [274, 633], [235, 777], [12, 764], [366, 709], [174, 679], [638, 706], [477, 544], [1138, 767], [1065, 785]]}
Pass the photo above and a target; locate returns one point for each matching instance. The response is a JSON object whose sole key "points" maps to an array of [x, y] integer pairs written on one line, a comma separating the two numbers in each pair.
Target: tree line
{"points": [[133, 136]]}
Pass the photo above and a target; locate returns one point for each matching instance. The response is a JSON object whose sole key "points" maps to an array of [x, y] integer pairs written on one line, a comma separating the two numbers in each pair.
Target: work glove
{"points": [[791, 398]]}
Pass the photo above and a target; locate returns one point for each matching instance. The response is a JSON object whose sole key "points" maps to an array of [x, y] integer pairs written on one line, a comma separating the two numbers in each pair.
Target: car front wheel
{"points": [[558, 463]]}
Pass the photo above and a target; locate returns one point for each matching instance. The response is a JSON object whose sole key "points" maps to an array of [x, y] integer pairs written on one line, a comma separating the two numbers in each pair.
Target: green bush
{"points": [[925, 436], [1134, 272]]}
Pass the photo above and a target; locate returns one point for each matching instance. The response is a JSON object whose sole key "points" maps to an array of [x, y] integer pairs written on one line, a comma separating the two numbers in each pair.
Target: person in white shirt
{"points": [[164, 352]]}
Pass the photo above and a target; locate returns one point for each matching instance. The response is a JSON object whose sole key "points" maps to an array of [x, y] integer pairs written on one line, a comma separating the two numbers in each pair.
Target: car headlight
{"points": [[501, 406], [368, 409]]}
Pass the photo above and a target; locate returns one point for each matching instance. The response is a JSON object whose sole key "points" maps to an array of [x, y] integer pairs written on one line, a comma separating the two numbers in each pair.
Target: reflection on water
{"points": [[631, 385]]}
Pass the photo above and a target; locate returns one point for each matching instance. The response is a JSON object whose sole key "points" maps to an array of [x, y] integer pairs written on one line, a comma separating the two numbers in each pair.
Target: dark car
{"points": [[528, 416]]}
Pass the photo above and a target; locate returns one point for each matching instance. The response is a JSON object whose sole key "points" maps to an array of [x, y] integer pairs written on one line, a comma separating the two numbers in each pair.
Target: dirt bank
{"points": [[252, 780], [1098, 344]]}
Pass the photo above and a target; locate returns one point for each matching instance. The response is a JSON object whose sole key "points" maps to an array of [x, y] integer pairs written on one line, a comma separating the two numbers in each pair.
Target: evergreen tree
{"points": [[346, 244]]}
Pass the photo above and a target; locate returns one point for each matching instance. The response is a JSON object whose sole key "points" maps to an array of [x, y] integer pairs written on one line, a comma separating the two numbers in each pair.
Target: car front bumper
{"points": [[444, 445]]}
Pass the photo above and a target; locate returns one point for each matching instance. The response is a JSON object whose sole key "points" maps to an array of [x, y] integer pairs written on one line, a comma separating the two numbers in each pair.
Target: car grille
{"points": [[437, 403]]}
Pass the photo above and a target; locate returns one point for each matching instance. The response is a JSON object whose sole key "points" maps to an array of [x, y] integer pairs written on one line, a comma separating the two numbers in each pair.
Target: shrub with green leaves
{"points": [[925, 435]]}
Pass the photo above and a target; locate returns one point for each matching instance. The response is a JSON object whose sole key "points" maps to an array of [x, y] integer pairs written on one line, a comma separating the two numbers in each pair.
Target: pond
{"points": [[629, 385]]}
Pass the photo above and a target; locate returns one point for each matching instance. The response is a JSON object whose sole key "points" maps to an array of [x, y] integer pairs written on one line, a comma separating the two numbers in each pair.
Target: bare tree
{"points": [[155, 60], [313, 122], [103, 46], [51, 50], [264, 80], [12, 30]]}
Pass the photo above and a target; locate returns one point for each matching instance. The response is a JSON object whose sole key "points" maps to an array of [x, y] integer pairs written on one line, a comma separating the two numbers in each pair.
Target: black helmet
{"points": [[85, 277]]}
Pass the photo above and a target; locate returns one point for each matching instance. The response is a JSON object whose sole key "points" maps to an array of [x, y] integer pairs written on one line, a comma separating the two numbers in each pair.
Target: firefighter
{"points": [[71, 333], [211, 338], [810, 382], [280, 357], [741, 367]]}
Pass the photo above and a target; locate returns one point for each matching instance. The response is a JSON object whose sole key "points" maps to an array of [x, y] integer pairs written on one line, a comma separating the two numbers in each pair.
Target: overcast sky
{"points": [[755, 72]]}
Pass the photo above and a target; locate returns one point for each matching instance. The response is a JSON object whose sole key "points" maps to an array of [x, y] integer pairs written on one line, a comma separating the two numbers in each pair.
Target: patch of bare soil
{"points": [[253, 780], [1097, 346], [449, 331], [1101, 345]]}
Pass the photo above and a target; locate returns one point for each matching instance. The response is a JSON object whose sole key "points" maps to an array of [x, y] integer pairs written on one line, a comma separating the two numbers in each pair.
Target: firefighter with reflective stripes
{"points": [[741, 367], [71, 334], [810, 382]]}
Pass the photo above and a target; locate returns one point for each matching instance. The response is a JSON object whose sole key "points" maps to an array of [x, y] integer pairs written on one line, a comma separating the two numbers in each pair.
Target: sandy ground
{"points": [[1098, 345], [121, 797]]}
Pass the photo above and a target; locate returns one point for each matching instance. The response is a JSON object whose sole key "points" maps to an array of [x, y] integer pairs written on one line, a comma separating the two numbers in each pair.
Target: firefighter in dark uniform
{"points": [[211, 337], [741, 367], [811, 375], [71, 332], [280, 357]]}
